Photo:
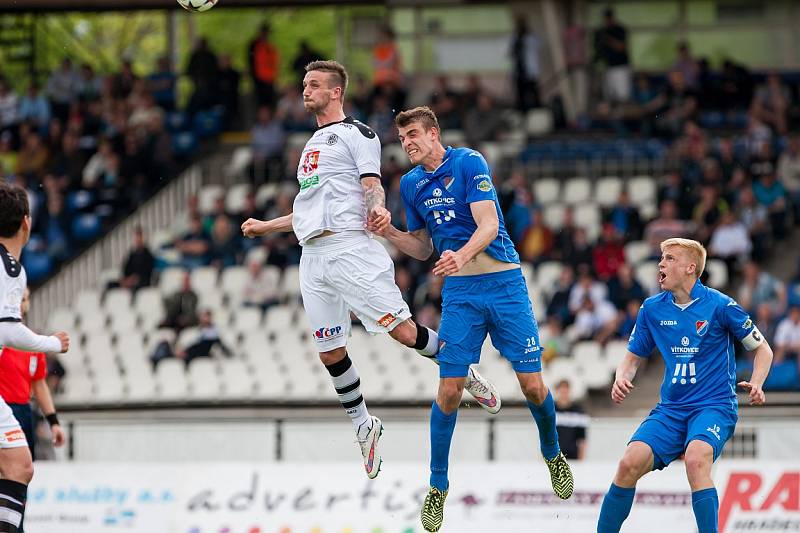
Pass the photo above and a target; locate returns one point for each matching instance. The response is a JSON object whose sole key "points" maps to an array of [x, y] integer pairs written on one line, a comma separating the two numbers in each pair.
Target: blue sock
{"points": [[705, 504], [545, 417], [616, 508], [442, 427]]}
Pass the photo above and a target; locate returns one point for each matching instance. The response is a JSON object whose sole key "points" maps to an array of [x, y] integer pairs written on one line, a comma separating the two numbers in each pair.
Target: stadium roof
{"points": [[128, 5]]}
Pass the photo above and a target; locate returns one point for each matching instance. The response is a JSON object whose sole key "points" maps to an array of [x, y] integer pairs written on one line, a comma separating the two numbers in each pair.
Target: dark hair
{"points": [[13, 209], [339, 78], [422, 114]]}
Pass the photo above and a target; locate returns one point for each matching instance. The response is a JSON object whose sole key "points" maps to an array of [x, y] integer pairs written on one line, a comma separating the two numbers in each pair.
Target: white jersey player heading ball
{"points": [[342, 268]]}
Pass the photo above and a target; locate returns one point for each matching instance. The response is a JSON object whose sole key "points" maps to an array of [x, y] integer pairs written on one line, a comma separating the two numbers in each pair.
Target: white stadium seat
{"points": [[171, 280], [554, 216], [207, 197], [577, 191], [265, 193], [235, 199], [547, 275], [171, 379], [547, 190], [717, 273], [607, 190], [203, 380], [646, 273], [233, 281], [246, 319], [539, 121], [290, 284], [61, 319], [642, 190], [204, 279], [636, 252], [240, 161], [588, 217], [236, 379], [116, 299]]}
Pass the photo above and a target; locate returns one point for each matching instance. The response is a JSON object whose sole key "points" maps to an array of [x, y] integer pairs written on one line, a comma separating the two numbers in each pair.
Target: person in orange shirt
{"points": [[264, 60], [386, 60], [21, 372]]}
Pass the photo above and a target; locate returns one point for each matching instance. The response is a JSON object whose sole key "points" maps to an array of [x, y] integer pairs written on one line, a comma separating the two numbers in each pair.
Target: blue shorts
{"points": [[669, 430], [497, 304]]}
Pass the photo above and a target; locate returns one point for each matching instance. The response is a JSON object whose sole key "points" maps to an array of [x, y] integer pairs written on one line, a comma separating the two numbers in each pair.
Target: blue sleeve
{"points": [[641, 341], [736, 320], [478, 179], [414, 221]]}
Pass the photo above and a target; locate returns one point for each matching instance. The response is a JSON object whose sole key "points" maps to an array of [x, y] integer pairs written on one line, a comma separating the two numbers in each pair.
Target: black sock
{"points": [[12, 505]]}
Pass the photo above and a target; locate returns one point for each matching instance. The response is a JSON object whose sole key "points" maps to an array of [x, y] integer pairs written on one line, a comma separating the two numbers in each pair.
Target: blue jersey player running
{"points": [[449, 197], [694, 327]]}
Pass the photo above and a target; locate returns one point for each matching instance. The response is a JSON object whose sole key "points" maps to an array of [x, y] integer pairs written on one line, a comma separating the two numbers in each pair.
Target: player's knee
{"points": [[405, 333], [333, 356], [535, 391], [631, 468], [449, 395], [20, 471], [698, 461]]}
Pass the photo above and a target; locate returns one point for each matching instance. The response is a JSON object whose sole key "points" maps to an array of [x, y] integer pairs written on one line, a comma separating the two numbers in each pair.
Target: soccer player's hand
{"points": [[59, 438], [252, 228], [450, 263], [378, 220], [63, 336], [757, 396], [620, 389]]}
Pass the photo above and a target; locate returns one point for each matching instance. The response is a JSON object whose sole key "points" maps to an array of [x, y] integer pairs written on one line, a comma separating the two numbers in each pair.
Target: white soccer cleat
{"points": [[483, 391], [369, 448]]}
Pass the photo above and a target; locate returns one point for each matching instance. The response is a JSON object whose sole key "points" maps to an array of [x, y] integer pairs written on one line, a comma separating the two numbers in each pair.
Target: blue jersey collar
{"points": [[698, 291], [447, 152]]}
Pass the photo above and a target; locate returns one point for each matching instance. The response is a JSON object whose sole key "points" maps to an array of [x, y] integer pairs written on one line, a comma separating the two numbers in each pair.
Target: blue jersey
{"points": [[697, 344], [439, 201]]}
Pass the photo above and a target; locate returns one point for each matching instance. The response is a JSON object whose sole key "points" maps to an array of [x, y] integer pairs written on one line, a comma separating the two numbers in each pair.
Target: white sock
{"points": [[348, 387], [432, 346]]}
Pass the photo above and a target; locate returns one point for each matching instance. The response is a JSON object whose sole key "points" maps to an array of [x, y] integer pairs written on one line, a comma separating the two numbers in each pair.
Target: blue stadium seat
{"points": [[782, 376], [86, 227], [184, 143], [38, 265], [207, 124], [177, 121], [79, 201]]}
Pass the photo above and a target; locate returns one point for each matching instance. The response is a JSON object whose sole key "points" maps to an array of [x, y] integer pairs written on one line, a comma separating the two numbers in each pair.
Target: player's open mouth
{"points": [[412, 152], [661, 277]]}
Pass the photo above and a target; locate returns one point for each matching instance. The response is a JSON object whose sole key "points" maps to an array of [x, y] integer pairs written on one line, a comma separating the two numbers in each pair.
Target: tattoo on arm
{"points": [[374, 195]]}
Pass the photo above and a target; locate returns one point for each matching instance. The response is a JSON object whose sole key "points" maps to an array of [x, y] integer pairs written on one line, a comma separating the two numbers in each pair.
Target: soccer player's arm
{"points": [[17, 335], [366, 150], [746, 332], [415, 242], [45, 400], [640, 346], [252, 227], [481, 197]]}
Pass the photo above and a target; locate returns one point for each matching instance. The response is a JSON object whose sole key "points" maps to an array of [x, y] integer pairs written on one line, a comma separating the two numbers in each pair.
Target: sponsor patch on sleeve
{"points": [[485, 186]]}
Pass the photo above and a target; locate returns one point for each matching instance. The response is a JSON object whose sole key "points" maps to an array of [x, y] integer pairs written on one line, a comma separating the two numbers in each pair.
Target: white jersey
{"points": [[13, 281], [334, 161]]}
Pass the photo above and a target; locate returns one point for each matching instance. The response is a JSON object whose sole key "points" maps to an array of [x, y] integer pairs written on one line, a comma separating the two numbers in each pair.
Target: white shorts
{"points": [[11, 434], [349, 272]]}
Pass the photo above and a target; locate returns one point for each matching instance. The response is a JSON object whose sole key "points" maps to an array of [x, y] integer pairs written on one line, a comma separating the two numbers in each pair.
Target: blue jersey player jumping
{"points": [[695, 328], [449, 197]]}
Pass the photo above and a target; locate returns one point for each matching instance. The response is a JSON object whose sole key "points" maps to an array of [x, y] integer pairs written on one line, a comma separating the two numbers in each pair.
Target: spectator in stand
{"points": [[54, 227], [89, 86], [787, 336], [9, 107], [228, 87], [608, 254], [767, 322], [558, 305], [789, 173], [537, 242], [429, 293], [98, 164], [482, 122], [444, 101], [586, 287], [708, 212], [292, 112], [666, 226], [611, 47], [35, 109], [582, 253], [727, 158], [387, 66], [771, 103], [162, 83], [124, 81], [381, 120], [770, 193], [181, 307], [759, 287], [203, 70], [208, 338], [305, 55], [8, 157], [194, 246], [687, 66], [23, 373], [730, 242], [625, 218], [524, 52], [595, 320], [623, 288], [225, 243], [264, 62], [626, 320], [138, 269], [554, 343], [677, 191], [571, 423], [259, 291], [269, 139], [34, 158], [564, 248], [736, 87], [755, 219], [676, 105], [62, 88]]}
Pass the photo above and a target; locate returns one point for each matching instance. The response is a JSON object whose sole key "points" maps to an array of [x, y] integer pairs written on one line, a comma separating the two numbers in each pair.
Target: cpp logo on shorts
{"points": [[323, 334], [701, 326]]}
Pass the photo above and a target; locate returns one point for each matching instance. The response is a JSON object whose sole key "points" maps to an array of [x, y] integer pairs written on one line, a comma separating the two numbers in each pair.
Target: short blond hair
{"points": [[696, 249]]}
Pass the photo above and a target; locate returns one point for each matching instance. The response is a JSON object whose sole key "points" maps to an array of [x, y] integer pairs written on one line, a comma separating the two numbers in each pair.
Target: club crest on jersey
{"points": [[448, 181], [701, 326], [310, 163], [332, 139]]}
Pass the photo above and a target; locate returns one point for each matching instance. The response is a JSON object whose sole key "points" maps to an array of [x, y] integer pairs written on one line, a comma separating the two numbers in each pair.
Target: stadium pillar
{"points": [[554, 30]]}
